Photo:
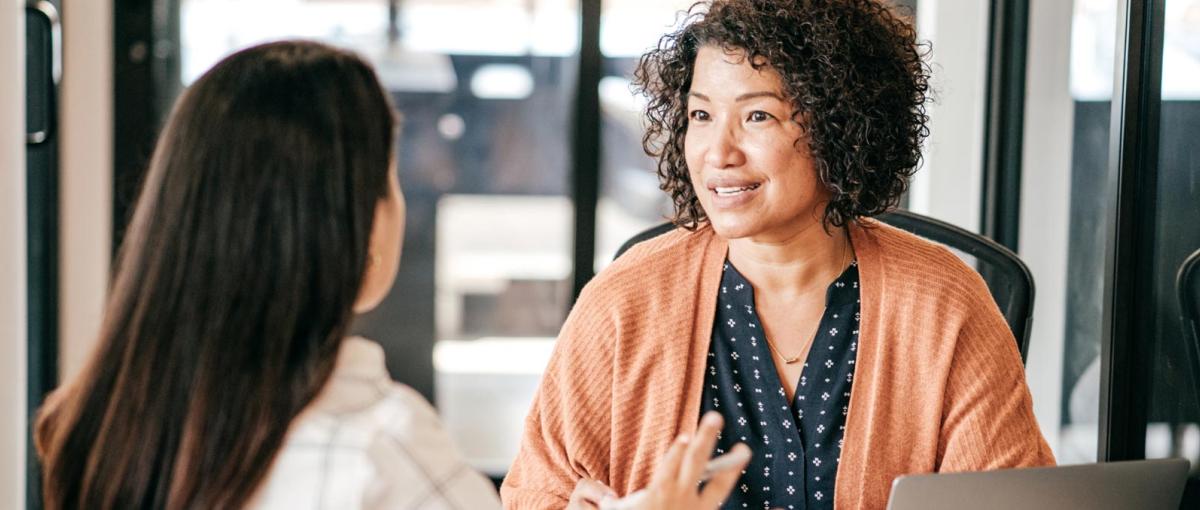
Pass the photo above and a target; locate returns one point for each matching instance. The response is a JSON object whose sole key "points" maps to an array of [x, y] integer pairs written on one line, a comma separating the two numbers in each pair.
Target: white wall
{"points": [[12, 254], [949, 185], [1045, 202], [86, 177]]}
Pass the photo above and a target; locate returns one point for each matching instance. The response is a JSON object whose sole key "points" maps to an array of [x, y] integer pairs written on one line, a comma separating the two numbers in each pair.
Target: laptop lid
{"points": [[1143, 484]]}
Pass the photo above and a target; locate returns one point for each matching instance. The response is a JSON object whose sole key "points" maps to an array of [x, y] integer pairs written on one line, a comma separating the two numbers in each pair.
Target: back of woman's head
{"points": [[234, 285]]}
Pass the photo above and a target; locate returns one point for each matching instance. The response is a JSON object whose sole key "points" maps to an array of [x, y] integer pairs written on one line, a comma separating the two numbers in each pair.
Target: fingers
{"points": [[588, 493], [701, 449], [579, 504], [676, 479], [718, 487], [667, 471], [593, 490]]}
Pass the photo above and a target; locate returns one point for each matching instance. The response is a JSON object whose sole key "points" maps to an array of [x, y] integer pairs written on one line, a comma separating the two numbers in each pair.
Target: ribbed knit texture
{"points": [[939, 384]]}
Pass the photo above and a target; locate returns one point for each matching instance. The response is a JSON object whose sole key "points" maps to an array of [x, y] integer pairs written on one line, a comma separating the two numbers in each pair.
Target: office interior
{"points": [[1064, 130]]}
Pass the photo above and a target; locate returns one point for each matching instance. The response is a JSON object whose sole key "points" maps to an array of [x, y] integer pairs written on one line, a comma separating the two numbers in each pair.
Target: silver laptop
{"points": [[1141, 484]]}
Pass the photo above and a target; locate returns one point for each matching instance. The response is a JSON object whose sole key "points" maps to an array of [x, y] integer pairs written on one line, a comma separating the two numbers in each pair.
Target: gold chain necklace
{"points": [[794, 359], [785, 359]]}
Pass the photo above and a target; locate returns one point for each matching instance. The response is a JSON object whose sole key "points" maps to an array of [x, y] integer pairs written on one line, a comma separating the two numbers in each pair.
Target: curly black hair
{"points": [[852, 68]]}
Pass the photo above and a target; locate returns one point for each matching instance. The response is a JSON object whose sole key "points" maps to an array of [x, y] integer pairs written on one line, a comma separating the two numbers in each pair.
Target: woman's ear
{"points": [[383, 250]]}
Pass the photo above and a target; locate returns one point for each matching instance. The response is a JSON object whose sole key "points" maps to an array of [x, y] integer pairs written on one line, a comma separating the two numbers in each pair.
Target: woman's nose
{"points": [[723, 150]]}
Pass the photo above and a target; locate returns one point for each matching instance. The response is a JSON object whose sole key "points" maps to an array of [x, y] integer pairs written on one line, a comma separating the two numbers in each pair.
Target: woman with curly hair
{"points": [[842, 351]]}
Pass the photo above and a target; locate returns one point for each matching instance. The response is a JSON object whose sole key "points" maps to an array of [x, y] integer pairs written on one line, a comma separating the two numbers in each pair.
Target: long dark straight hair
{"points": [[233, 288]]}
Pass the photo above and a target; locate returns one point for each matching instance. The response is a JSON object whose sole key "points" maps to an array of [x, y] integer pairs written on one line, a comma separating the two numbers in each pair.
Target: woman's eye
{"points": [[759, 116], [699, 115]]}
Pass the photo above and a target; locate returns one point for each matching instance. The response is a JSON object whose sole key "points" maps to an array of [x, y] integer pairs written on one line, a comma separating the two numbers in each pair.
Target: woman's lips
{"points": [[732, 190], [730, 195]]}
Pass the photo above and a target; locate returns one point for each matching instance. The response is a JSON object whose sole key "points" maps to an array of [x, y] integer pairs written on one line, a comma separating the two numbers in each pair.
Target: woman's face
{"points": [[752, 177], [383, 252]]}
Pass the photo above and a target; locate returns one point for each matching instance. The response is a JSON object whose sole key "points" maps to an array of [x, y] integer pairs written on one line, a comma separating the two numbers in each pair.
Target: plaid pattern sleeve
{"points": [[367, 442]]}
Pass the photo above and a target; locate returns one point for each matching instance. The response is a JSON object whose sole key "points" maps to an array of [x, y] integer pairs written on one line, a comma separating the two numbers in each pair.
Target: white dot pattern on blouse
{"points": [[796, 447]]}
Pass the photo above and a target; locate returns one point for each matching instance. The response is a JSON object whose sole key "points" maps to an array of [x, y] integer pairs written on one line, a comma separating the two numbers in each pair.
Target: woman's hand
{"points": [[676, 481], [587, 495]]}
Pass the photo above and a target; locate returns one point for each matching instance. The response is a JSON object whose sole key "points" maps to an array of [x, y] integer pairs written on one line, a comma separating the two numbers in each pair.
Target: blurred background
{"points": [[521, 161]]}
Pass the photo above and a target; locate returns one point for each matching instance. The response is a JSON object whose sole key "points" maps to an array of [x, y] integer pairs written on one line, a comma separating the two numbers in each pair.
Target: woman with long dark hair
{"points": [[223, 378]]}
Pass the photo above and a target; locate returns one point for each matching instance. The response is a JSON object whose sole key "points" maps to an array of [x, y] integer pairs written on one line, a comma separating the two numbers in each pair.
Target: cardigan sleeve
{"points": [[988, 421], [567, 431]]}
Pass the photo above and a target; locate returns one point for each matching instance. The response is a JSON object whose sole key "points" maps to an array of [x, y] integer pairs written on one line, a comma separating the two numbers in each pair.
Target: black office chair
{"points": [[1008, 278], [1187, 284]]}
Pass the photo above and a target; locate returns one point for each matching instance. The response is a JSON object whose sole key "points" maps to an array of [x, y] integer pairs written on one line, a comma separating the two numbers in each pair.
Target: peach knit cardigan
{"points": [[939, 384]]}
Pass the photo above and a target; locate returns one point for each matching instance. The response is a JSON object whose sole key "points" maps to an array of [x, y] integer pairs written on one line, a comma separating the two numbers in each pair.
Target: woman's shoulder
{"points": [[351, 414], [650, 288], [925, 296], [654, 264], [907, 261], [361, 402], [360, 390], [374, 453]]}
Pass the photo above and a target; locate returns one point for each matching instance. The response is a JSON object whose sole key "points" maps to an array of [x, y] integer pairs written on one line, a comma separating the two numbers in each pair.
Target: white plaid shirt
{"points": [[367, 442]]}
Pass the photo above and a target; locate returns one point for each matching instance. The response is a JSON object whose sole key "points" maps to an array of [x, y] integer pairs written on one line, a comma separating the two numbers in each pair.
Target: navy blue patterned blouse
{"points": [[796, 447]]}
